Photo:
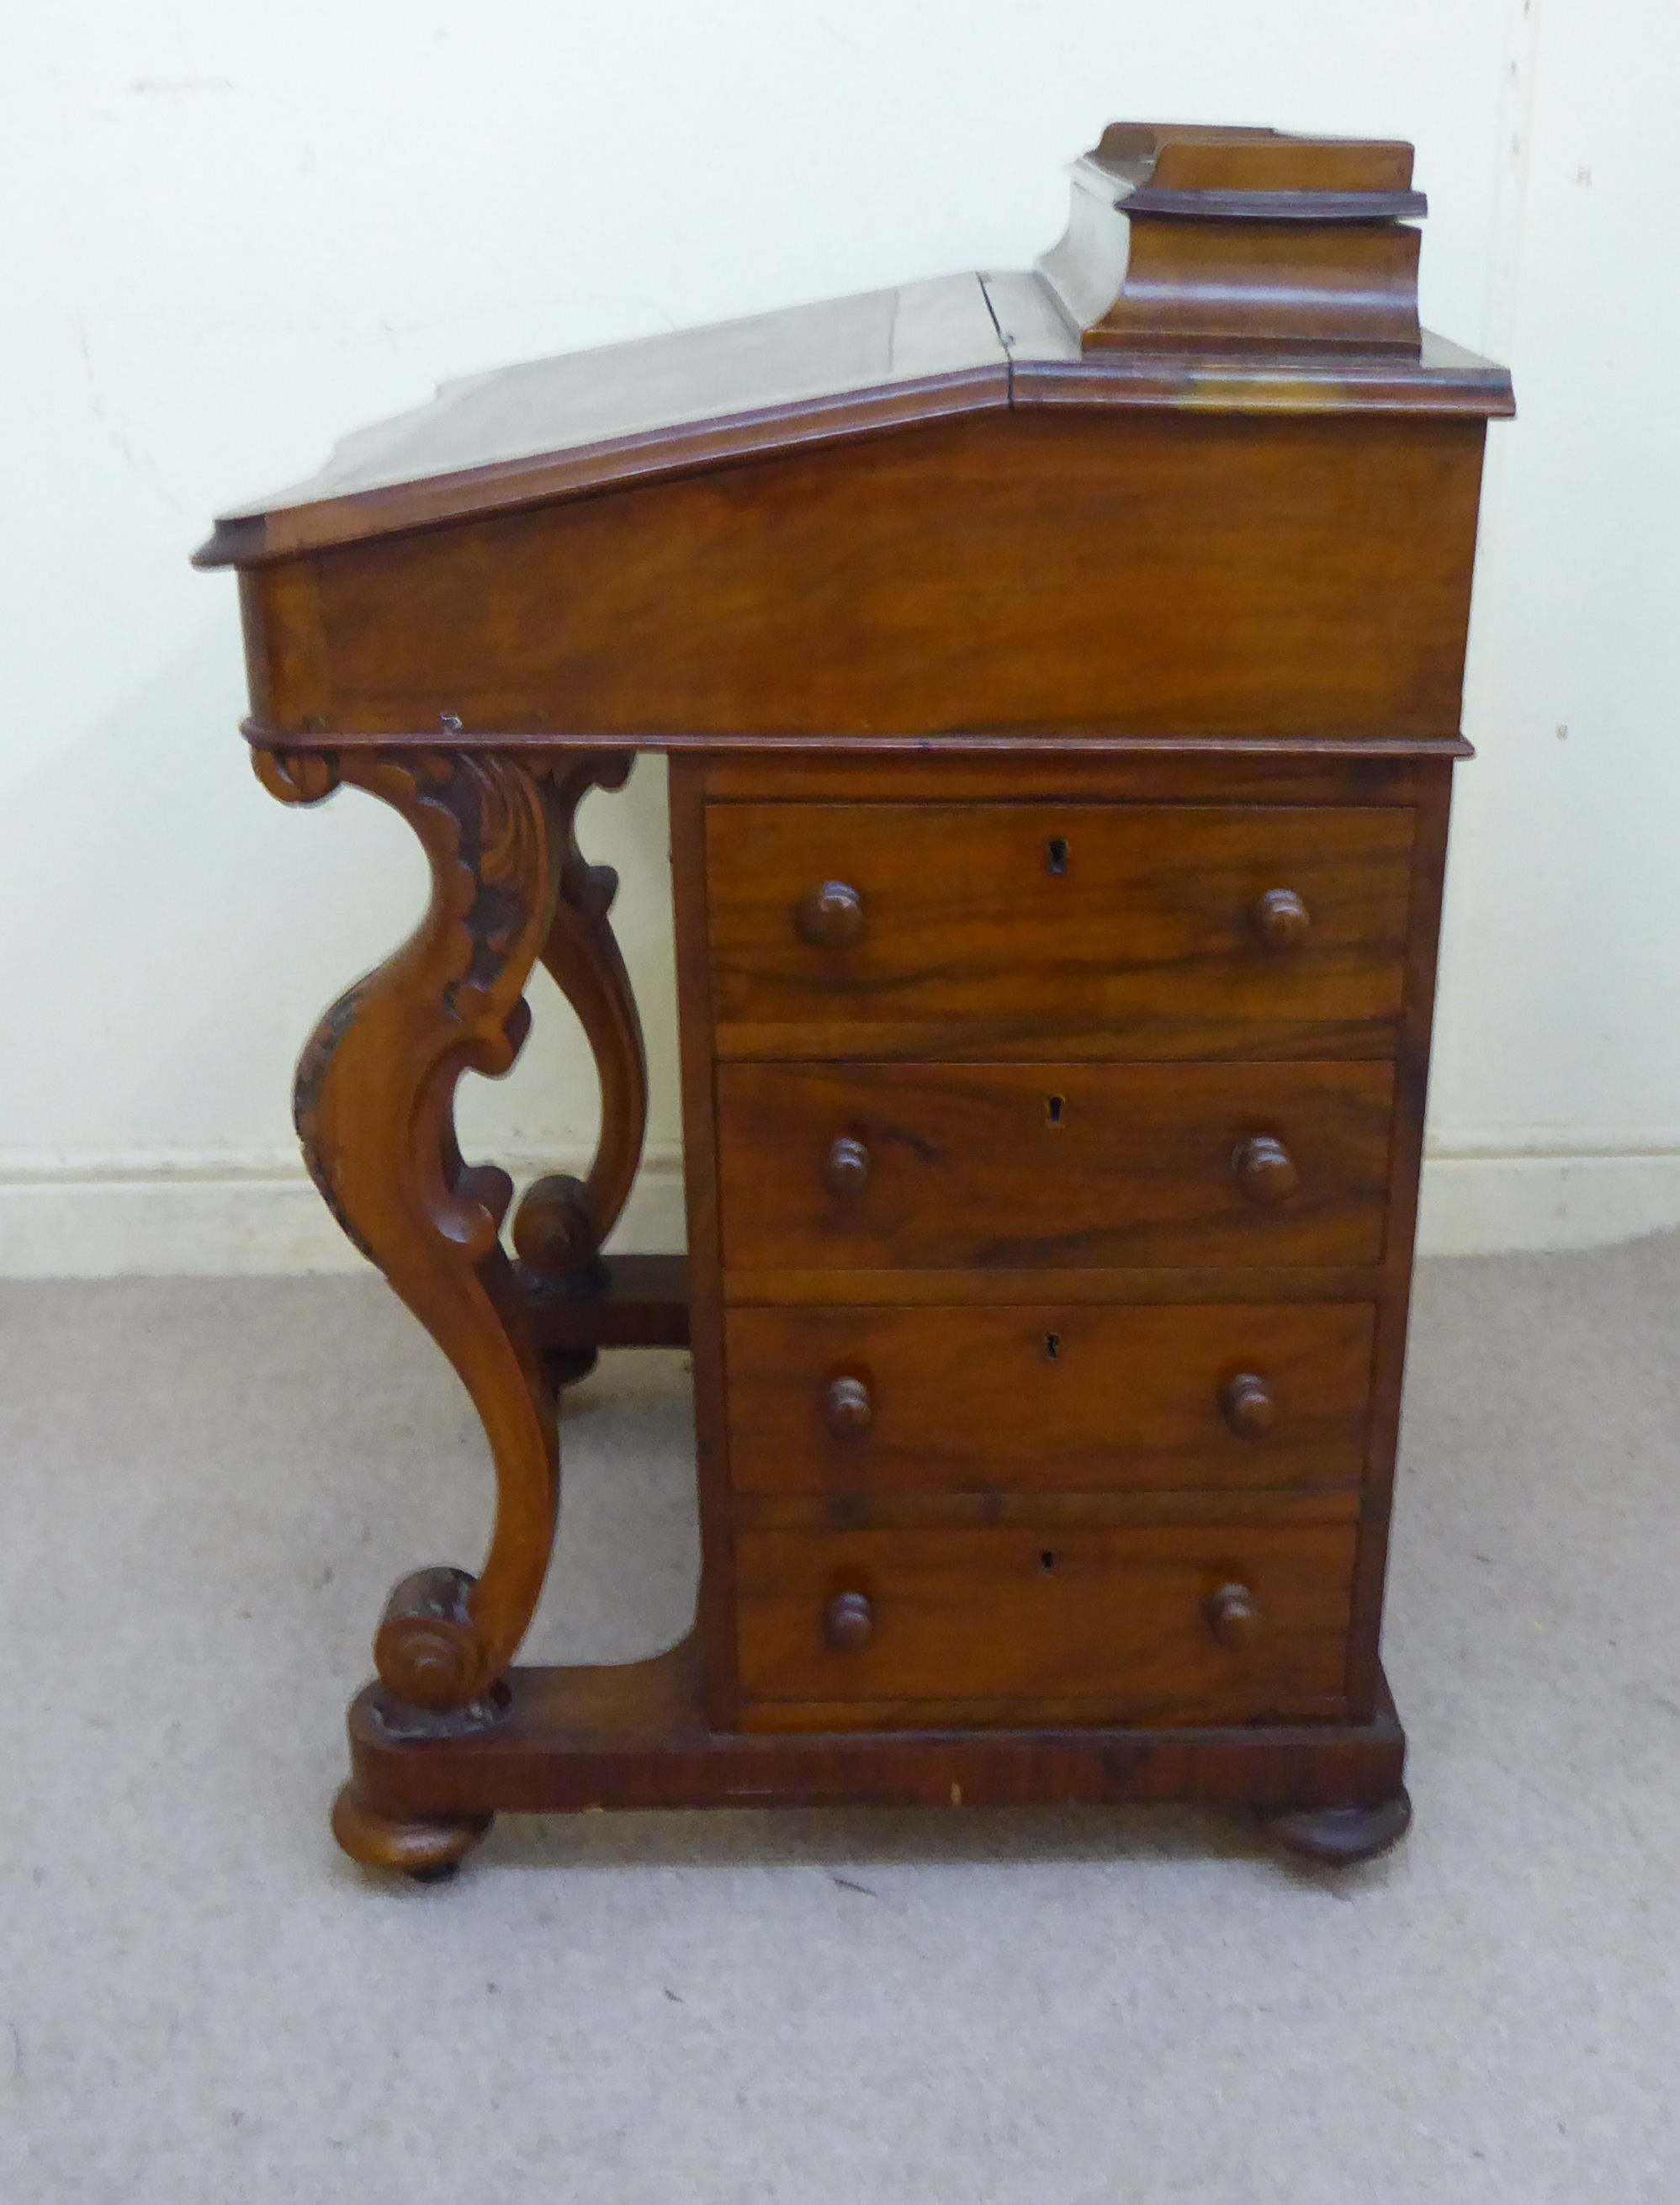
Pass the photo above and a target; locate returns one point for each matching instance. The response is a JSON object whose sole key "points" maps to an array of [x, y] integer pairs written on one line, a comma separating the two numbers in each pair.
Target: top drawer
{"points": [[1153, 931]]}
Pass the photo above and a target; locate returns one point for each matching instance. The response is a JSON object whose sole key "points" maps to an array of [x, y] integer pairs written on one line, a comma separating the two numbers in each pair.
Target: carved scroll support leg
{"points": [[375, 1114], [562, 1221]]}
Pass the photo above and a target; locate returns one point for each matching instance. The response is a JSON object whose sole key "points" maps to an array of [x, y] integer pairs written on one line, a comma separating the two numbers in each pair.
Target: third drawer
{"points": [[1048, 1398]]}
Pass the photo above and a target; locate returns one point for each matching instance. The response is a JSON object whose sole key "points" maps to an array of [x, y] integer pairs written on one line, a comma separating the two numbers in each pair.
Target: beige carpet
{"points": [[206, 1488]]}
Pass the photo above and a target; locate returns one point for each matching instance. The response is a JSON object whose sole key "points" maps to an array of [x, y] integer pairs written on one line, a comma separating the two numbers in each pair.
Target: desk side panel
{"points": [[1129, 574]]}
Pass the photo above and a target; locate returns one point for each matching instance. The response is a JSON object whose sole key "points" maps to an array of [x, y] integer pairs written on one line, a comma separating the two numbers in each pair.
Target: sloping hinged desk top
{"points": [[991, 472]]}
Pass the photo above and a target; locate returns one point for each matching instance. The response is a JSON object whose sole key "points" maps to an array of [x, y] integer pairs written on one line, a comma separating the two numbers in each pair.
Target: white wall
{"points": [[1556, 1104], [233, 231]]}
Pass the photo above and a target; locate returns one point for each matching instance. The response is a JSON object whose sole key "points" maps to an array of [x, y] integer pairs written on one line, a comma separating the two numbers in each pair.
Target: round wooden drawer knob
{"points": [[1281, 920], [1248, 1408], [846, 1168], [848, 1622], [848, 1408], [831, 917], [1265, 1171], [1233, 1615]]}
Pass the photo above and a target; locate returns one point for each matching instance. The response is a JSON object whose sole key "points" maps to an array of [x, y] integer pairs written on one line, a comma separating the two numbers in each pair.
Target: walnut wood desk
{"points": [[1061, 677]]}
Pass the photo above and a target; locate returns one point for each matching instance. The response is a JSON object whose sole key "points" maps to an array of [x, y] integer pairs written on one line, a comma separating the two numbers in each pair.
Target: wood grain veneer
{"points": [[1144, 575], [1046, 1398], [966, 1167], [1122, 1618], [992, 929]]}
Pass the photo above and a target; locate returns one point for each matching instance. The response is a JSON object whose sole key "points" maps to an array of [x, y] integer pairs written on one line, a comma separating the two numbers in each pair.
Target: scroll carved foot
{"points": [[426, 1850], [374, 1106], [1340, 1837]]}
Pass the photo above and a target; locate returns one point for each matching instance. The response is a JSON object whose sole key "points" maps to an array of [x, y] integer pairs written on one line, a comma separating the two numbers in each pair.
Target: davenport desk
{"points": [[1060, 677]]}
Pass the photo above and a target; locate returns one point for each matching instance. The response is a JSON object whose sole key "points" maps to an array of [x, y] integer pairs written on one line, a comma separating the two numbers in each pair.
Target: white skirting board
{"points": [[244, 1220], [1489, 1202], [265, 1217]]}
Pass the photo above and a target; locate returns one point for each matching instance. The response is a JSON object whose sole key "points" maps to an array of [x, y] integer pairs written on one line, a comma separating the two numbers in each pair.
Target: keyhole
{"points": [[1052, 1346], [1055, 855], [1048, 1560], [1053, 1109]]}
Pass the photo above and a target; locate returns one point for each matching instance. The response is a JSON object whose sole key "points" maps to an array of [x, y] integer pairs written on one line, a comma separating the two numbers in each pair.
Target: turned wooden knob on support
{"points": [[554, 1236], [1248, 1405], [427, 1649], [830, 916], [1281, 920], [846, 1168], [1233, 1615], [848, 1622], [1264, 1170], [848, 1408]]}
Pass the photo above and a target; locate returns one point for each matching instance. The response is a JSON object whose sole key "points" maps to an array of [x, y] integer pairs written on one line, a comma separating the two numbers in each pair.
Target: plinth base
{"points": [[633, 1736]]}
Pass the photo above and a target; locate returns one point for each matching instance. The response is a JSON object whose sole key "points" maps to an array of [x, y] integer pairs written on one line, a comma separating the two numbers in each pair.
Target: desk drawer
{"points": [[1072, 1166], [1148, 931], [1050, 1400], [1147, 1626]]}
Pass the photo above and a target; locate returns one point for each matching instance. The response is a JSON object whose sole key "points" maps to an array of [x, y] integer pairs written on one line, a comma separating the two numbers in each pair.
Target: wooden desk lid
{"points": [[1217, 269], [656, 406]]}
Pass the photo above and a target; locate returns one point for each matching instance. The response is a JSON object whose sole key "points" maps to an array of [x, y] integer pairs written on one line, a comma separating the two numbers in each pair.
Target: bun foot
{"points": [[429, 1852], [565, 1366], [1341, 1836]]}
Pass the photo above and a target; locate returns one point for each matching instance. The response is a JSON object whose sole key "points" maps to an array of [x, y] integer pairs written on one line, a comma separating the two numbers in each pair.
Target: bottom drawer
{"points": [[1157, 1625]]}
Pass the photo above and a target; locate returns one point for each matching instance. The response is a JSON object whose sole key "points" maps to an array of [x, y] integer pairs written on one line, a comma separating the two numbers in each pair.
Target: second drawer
{"points": [[1051, 1166], [1048, 1399]]}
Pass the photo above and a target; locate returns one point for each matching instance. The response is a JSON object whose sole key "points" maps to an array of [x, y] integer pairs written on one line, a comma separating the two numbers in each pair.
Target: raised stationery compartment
{"points": [[1165, 930], [1140, 1626], [1052, 1166], [1053, 1398]]}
